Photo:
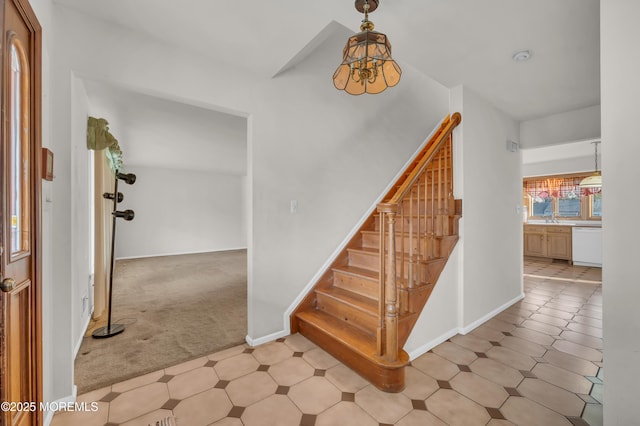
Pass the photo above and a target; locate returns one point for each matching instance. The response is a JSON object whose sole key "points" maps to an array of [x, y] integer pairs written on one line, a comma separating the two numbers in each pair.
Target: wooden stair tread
{"points": [[357, 272], [352, 337], [347, 334], [355, 300], [406, 234], [363, 250], [374, 252], [451, 215]]}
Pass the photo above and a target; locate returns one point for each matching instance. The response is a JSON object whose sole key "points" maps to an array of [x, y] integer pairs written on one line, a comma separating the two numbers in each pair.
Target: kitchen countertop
{"points": [[577, 223]]}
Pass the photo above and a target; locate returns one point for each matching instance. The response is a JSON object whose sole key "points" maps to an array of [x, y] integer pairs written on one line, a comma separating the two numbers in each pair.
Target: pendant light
{"points": [[367, 65], [595, 180]]}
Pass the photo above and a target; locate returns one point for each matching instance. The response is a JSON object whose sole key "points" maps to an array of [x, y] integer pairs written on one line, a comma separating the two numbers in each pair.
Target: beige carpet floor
{"points": [[175, 308]]}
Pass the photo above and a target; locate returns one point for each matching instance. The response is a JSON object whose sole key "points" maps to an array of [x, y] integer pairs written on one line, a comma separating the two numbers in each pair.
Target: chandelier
{"points": [[595, 180], [367, 66]]}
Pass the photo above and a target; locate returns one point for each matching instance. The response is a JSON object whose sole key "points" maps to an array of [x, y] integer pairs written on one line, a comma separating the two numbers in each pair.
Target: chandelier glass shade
{"points": [[595, 180], [367, 65]]}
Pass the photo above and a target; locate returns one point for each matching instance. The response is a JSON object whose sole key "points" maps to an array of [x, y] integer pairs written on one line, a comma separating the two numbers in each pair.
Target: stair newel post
{"points": [[390, 287]]}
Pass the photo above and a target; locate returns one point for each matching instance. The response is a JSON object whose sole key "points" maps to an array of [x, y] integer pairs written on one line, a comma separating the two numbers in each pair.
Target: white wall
{"points": [[491, 211], [181, 211], [560, 143], [80, 213], [569, 157], [621, 228], [439, 319], [565, 127], [556, 167]]}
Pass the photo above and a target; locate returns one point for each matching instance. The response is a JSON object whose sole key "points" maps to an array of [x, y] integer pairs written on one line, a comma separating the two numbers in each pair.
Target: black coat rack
{"points": [[117, 197]]}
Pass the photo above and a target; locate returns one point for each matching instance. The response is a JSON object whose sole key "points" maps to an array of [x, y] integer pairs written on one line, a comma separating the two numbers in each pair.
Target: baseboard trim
{"points": [[432, 344], [178, 254], [85, 326], [487, 317], [462, 330], [70, 399], [266, 339]]}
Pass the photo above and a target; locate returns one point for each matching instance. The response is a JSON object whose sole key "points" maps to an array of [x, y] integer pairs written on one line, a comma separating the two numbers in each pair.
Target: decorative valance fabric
{"points": [[540, 189]]}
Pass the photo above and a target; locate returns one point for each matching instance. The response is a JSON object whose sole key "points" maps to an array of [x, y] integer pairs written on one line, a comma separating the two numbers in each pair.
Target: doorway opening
{"points": [[180, 276]]}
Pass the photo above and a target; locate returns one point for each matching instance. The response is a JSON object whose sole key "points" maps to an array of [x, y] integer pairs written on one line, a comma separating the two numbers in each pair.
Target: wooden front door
{"points": [[20, 295]]}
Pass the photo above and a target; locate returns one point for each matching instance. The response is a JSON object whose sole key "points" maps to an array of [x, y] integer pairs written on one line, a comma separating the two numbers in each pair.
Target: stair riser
{"points": [[429, 247], [362, 286], [365, 321], [444, 224], [364, 260], [445, 206], [421, 271]]}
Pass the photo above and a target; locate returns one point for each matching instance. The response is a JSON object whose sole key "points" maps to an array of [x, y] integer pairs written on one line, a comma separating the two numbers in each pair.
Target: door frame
{"points": [[35, 56]]}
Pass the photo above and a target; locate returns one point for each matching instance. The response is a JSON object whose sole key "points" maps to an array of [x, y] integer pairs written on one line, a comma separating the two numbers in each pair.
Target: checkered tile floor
{"points": [[538, 362]]}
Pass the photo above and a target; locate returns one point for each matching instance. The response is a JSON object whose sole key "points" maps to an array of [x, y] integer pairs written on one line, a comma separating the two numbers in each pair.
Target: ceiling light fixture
{"points": [[522, 55], [367, 66], [595, 180]]}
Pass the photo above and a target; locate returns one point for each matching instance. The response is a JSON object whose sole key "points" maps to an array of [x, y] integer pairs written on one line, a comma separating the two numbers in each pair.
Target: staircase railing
{"points": [[411, 220]]}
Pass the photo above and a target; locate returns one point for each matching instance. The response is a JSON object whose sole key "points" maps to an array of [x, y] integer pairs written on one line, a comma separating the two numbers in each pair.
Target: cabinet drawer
{"points": [[559, 229], [534, 229]]}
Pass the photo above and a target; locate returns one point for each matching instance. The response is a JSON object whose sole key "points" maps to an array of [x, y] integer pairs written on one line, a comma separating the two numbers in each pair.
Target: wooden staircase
{"points": [[366, 303]]}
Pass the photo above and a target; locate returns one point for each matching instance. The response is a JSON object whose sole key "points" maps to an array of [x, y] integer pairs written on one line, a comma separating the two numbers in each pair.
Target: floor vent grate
{"points": [[167, 421]]}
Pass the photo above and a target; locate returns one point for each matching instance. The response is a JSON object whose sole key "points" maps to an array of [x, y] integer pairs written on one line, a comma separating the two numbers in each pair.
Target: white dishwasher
{"points": [[587, 246]]}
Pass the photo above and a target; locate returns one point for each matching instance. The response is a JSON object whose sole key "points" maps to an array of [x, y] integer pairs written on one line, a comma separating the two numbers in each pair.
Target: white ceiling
{"points": [[466, 42]]}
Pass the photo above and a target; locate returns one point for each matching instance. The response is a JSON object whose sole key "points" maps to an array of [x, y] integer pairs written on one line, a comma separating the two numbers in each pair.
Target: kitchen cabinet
{"points": [[534, 242], [550, 241]]}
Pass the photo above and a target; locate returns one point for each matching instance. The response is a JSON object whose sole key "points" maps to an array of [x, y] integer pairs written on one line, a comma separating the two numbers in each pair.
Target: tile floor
{"points": [[537, 363]]}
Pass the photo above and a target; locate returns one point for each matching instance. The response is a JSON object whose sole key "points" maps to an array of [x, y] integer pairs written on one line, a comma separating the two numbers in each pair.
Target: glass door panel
{"points": [[19, 184]]}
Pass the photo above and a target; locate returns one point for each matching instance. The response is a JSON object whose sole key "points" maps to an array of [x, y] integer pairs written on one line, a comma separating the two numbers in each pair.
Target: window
{"points": [[561, 197], [595, 206], [569, 207], [542, 206]]}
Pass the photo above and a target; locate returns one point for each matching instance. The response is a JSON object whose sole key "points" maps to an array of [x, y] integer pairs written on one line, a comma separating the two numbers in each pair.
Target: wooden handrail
{"points": [[447, 126], [421, 185]]}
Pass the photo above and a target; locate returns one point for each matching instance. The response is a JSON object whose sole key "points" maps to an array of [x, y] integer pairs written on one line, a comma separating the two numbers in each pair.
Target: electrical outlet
{"points": [[294, 206]]}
